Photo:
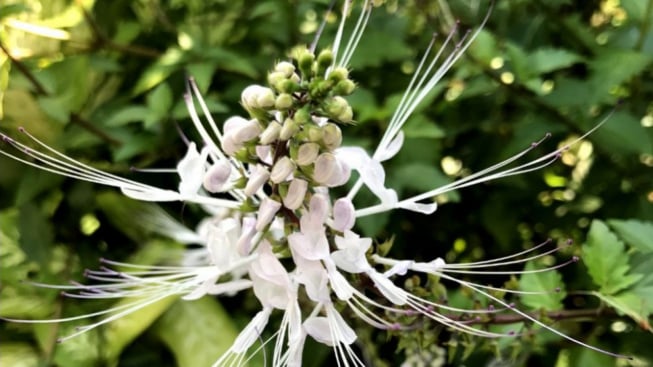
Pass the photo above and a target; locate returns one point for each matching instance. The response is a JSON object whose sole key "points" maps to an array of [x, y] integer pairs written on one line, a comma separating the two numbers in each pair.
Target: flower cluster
{"points": [[274, 227]]}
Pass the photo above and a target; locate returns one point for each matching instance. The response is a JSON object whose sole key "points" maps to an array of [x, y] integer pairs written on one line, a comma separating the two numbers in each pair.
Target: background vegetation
{"points": [[103, 81]]}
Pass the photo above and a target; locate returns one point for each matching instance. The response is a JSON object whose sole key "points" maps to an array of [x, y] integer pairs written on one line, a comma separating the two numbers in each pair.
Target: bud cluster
{"points": [[292, 131]]}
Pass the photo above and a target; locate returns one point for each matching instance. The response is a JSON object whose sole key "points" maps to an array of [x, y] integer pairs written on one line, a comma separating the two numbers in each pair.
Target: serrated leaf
{"points": [[197, 332], [631, 304], [549, 283], [606, 259], [636, 233]]}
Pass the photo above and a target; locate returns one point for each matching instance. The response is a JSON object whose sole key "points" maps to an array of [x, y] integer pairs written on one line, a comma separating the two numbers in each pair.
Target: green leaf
{"points": [[549, 283], [606, 259], [418, 177], [419, 126], [36, 233], [545, 60], [623, 134], [127, 115], [631, 304], [636, 233], [197, 332], [159, 71], [122, 331], [18, 355]]}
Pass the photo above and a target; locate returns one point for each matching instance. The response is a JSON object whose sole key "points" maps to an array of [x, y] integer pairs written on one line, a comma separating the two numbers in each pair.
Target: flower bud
{"points": [[283, 101], [325, 166], [344, 87], [302, 116], [256, 96], [307, 154], [305, 60], [336, 105], [288, 130], [324, 61], [331, 136], [313, 133], [247, 131], [275, 78], [338, 74], [346, 116], [285, 67], [266, 213], [271, 133], [340, 175], [244, 243], [296, 194], [257, 179], [282, 170], [344, 215], [217, 176]]}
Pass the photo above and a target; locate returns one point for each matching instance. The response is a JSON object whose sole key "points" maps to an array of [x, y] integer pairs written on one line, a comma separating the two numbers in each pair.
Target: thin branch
{"points": [[40, 89], [100, 40]]}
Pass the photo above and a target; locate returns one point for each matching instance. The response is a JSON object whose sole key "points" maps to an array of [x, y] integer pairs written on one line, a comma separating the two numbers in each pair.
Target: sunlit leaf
{"points": [[636, 233], [607, 261], [549, 283], [207, 330]]}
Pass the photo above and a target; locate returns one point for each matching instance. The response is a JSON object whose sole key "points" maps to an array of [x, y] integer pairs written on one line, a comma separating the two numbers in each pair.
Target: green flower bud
{"points": [[283, 101], [285, 67], [313, 133], [331, 136], [344, 87], [305, 60], [275, 78], [302, 116], [346, 116], [338, 74], [324, 61], [335, 106]]}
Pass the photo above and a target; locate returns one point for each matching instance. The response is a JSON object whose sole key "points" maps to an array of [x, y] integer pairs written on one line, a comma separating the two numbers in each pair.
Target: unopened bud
{"points": [[313, 133], [336, 105], [257, 179], [302, 116], [282, 170], [271, 133], [338, 74], [340, 175], [324, 61], [266, 213], [244, 243], [285, 67], [307, 153], [344, 87], [247, 131], [283, 101], [344, 215], [331, 136], [217, 176], [288, 130], [325, 166], [305, 60], [346, 116], [275, 78], [256, 96], [296, 194]]}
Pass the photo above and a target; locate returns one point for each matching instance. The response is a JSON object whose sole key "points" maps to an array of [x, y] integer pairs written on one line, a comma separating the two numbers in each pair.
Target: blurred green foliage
{"points": [[104, 81]]}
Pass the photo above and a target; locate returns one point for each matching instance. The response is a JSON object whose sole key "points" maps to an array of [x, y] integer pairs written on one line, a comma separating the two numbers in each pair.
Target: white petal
{"points": [[318, 328], [389, 290], [252, 332], [392, 149], [429, 208]]}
